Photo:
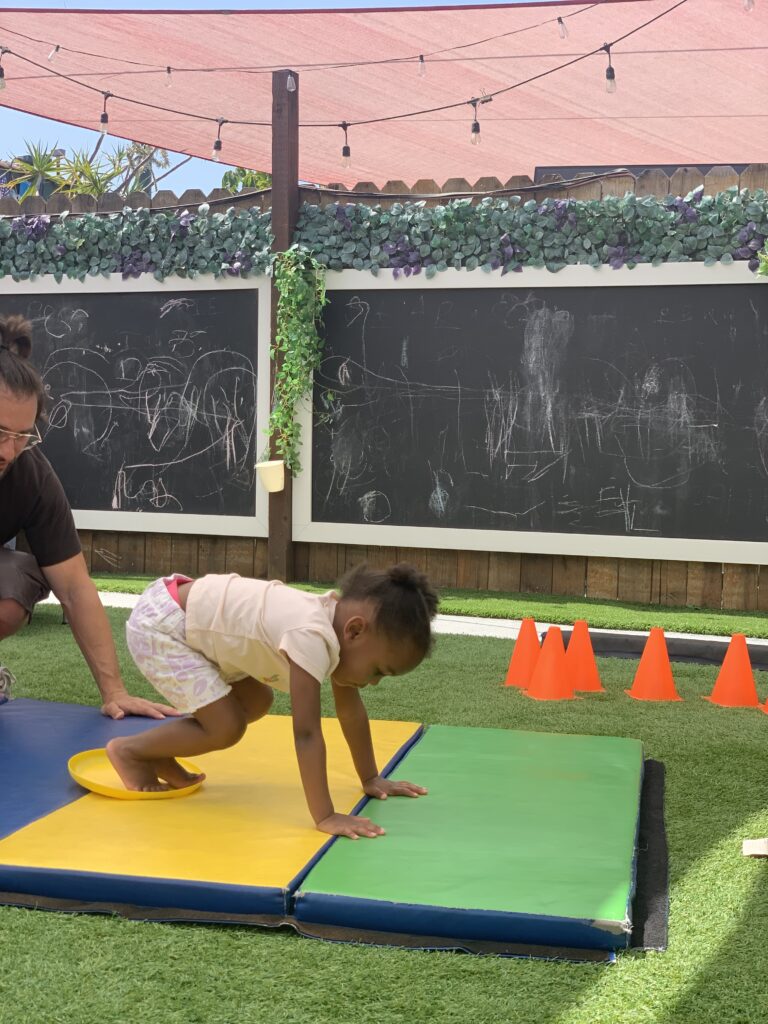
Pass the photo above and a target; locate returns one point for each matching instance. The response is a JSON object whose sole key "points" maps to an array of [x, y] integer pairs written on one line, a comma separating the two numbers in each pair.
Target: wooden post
{"points": [[285, 209]]}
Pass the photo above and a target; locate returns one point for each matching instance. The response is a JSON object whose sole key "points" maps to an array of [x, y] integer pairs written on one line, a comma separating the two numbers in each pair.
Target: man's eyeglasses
{"points": [[20, 441]]}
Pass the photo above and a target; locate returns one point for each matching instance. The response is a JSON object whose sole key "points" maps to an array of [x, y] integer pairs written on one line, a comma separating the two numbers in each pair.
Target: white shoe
{"points": [[7, 680]]}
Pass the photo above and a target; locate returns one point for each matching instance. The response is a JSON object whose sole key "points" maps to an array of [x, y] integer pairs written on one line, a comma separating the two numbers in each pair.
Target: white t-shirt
{"points": [[253, 626]]}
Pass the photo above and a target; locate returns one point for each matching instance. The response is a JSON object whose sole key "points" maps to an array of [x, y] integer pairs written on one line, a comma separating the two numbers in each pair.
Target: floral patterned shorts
{"points": [[156, 638]]}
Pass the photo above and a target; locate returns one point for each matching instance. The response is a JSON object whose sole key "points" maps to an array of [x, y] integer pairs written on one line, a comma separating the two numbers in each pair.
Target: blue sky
{"points": [[16, 128]]}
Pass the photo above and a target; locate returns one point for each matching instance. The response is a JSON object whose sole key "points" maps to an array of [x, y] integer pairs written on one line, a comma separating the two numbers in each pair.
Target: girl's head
{"points": [[22, 395], [383, 623]]}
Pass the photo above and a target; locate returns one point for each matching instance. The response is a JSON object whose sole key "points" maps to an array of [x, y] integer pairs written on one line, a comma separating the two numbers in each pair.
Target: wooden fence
{"points": [[708, 585], [653, 181]]}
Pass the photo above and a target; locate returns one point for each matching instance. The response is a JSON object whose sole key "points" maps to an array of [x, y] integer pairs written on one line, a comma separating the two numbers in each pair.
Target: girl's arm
{"points": [[353, 719], [310, 752]]}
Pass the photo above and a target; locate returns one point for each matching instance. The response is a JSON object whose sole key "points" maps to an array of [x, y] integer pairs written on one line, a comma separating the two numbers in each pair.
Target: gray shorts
{"points": [[21, 579]]}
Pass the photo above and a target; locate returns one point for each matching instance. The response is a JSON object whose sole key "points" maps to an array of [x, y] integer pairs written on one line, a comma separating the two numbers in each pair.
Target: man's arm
{"points": [[70, 582]]}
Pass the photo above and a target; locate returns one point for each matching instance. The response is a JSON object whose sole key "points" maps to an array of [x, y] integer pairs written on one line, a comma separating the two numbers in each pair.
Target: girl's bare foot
{"points": [[135, 773], [174, 774]]}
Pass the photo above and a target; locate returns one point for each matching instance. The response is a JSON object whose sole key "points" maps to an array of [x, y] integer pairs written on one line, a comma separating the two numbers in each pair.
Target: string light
{"points": [[290, 83], [54, 52], [216, 151], [610, 74], [346, 152], [563, 28], [422, 66], [474, 137], [168, 78], [104, 119]]}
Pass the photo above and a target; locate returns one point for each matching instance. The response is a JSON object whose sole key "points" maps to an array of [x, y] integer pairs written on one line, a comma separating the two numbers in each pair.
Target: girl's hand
{"points": [[381, 788], [350, 825]]}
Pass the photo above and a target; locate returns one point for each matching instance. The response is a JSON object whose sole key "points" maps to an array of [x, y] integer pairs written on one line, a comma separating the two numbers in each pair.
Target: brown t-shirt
{"points": [[33, 500]]}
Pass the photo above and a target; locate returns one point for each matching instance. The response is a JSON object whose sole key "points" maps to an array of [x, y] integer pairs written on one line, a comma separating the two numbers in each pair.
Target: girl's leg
{"points": [[255, 698], [142, 761]]}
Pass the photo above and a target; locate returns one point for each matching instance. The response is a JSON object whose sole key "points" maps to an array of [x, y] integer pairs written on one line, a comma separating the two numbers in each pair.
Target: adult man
{"points": [[33, 500]]}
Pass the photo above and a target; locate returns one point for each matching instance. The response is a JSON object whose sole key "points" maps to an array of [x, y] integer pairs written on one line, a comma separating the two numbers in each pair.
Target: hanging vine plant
{"points": [[298, 345]]}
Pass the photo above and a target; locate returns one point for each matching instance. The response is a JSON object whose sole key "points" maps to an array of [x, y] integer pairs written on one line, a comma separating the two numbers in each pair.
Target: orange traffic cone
{"points": [[735, 684], [550, 678], [580, 661], [653, 679], [525, 654]]}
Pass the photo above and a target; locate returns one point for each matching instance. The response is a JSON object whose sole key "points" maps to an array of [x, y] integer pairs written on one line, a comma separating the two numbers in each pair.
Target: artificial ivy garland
{"points": [[297, 347]]}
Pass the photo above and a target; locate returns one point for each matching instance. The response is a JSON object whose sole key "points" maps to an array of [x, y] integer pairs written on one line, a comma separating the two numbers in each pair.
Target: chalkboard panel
{"points": [[153, 397], [638, 411]]}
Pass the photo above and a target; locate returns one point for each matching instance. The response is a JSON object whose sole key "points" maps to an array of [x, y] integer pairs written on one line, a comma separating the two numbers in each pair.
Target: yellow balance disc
{"points": [[93, 770]]}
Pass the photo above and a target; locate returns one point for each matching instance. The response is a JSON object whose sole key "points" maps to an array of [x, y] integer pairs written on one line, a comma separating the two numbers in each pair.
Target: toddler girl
{"points": [[216, 647]]}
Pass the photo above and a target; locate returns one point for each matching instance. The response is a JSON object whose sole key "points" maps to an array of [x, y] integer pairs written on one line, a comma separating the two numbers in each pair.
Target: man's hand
{"points": [[124, 704], [381, 788], [350, 825]]}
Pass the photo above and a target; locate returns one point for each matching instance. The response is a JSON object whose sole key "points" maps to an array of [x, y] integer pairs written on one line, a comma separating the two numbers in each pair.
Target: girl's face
{"points": [[367, 655]]}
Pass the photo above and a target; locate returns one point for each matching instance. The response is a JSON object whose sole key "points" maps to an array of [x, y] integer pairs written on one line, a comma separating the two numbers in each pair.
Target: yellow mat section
{"points": [[247, 825]]}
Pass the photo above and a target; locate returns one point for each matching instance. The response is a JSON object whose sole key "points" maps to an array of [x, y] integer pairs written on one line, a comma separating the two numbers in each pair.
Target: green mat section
{"points": [[525, 822]]}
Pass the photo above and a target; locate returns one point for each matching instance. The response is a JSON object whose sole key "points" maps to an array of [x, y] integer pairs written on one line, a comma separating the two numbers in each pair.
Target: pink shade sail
{"points": [[691, 87]]}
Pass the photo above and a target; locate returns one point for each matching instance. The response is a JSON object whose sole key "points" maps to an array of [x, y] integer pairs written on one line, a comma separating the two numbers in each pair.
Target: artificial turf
{"points": [[61, 969]]}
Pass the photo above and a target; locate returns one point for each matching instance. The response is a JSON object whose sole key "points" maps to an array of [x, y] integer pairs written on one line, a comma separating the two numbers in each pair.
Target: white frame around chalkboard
{"points": [[603, 545], [175, 522]]}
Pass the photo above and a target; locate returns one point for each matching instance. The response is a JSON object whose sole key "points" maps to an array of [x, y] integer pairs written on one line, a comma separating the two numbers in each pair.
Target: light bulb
{"points": [[610, 79], [54, 51], [2, 77], [346, 156], [104, 122], [216, 151], [290, 84], [422, 66], [749, 5], [563, 28], [168, 78], [475, 137]]}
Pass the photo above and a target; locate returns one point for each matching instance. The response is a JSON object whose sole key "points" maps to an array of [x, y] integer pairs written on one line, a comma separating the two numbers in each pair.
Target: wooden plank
{"points": [[705, 585], [86, 543], [634, 580], [762, 588], [472, 570], [157, 554], [324, 563], [261, 558], [536, 574], [105, 556], [352, 555], [740, 587], [617, 186], [380, 557], [211, 555], [674, 584], [685, 180], [442, 567], [719, 179], [580, 190], [301, 561], [653, 182], [754, 177], [184, 554], [417, 557], [130, 547], [239, 557], [569, 575], [603, 578], [504, 571]]}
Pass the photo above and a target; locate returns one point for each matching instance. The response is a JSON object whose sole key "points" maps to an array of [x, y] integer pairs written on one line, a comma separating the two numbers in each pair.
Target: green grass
{"points": [[61, 969], [551, 608]]}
